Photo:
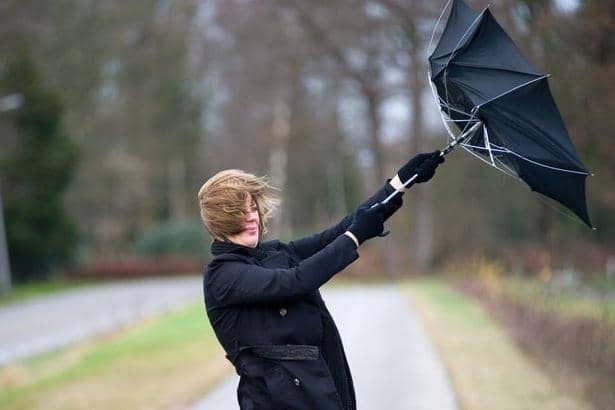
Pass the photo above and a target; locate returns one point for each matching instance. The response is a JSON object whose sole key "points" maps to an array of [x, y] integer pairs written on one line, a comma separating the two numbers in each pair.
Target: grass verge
{"points": [[487, 369], [564, 302], [566, 336], [164, 362]]}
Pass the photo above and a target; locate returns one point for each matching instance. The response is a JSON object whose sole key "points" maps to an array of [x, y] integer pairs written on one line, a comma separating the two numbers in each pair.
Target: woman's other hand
{"points": [[424, 165], [368, 222]]}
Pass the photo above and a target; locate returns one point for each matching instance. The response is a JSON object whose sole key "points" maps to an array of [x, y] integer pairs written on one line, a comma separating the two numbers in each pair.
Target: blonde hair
{"points": [[222, 201]]}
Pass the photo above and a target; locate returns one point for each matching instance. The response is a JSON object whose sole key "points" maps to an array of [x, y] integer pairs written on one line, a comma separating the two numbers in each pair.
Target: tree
{"points": [[35, 174]]}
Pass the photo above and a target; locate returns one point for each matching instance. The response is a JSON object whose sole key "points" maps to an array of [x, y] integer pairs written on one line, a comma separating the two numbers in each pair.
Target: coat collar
{"points": [[219, 247]]}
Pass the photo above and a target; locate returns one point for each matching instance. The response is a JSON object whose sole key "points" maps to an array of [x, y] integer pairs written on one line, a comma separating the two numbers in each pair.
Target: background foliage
{"points": [[326, 98]]}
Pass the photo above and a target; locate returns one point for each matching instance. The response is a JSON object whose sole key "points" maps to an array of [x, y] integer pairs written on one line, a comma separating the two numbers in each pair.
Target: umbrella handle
{"points": [[443, 152]]}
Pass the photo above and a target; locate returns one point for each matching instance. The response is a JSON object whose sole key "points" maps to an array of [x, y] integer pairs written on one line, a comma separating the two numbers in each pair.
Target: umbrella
{"points": [[502, 108]]}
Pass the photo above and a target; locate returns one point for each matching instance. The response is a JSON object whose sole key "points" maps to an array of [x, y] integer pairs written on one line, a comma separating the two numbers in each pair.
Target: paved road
{"points": [[391, 358], [49, 322]]}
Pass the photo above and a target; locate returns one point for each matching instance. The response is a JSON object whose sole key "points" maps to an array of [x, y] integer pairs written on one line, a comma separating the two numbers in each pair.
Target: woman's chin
{"points": [[252, 238]]}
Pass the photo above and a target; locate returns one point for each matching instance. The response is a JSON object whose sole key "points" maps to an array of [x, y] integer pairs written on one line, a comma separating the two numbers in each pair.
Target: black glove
{"points": [[368, 222], [422, 164]]}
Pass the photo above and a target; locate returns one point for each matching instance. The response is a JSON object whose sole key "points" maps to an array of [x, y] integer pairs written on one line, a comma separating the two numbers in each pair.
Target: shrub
{"points": [[178, 237]]}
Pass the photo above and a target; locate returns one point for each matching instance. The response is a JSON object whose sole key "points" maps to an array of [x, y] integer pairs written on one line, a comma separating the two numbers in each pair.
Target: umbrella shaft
{"points": [[405, 184], [444, 151]]}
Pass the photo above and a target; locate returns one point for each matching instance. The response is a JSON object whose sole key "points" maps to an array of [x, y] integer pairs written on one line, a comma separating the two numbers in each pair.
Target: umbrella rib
{"points": [[552, 143], [519, 155], [456, 121], [487, 144], [510, 174], [433, 33], [468, 65], [485, 149], [506, 169], [539, 163], [455, 50], [549, 202], [448, 107], [513, 89], [436, 97], [511, 171], [474, 111], [478, 17]]}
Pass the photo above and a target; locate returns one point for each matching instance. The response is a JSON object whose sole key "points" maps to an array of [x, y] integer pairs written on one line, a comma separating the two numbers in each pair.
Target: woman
{"points": [[262, 298]]}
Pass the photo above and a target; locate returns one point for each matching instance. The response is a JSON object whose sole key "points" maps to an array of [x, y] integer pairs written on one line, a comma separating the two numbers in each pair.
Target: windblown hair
{"points": [[222, 201]]}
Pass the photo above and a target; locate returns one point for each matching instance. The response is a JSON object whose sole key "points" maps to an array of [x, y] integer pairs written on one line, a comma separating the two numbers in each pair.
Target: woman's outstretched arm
{"points": [[424, 165], [237, 281], [309, 245]]}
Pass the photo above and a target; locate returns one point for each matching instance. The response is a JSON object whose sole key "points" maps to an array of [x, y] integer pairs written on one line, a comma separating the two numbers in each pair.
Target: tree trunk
{"points": [[278, 159], [5, 270], [176, 182], [421, 207], [335, 170], [374, 127]]}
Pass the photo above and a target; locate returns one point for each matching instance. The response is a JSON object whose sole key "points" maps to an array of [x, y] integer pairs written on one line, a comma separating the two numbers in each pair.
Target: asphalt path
{"points": [[393, 363], [49, 322]]}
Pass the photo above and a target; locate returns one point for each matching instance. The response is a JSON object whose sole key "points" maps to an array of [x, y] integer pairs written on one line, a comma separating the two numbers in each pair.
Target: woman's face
{"points": [[249, 235]]}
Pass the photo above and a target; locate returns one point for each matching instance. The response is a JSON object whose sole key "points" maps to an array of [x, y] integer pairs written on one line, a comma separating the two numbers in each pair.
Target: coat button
{"points": [[297, 382], [283, 312]]}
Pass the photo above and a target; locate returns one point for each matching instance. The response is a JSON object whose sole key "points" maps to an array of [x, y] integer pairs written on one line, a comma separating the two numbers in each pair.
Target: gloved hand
{"points": [[368, 222], [422, 164]]}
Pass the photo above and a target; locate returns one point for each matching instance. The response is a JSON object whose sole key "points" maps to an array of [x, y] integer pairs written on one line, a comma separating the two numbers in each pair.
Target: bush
{"points": [[180, 237]]}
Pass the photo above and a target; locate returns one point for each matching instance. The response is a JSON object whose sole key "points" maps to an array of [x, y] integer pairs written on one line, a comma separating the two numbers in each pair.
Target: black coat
{"points": [[267, 312]]}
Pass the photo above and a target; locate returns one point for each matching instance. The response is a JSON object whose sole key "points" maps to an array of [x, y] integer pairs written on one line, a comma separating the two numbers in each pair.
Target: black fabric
{"points": [[394, 203], [458, 31], [368, 223], [260, 252], [480, 74], [333, 353]]}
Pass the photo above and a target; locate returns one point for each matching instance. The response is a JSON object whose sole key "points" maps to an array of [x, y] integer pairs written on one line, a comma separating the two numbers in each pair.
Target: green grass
{"points": [[159, 362], [487, 369]]}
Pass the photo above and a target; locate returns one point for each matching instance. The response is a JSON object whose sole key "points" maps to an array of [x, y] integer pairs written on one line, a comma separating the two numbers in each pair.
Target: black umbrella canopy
{"points": [[479, 74]]}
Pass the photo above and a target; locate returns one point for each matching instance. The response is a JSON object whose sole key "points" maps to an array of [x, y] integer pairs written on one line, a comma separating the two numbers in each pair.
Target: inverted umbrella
{"points": [[503, 108]]}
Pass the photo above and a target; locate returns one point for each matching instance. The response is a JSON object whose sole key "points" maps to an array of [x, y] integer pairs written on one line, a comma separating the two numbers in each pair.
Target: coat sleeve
{"points": [[237, 282], [309, 245]]}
